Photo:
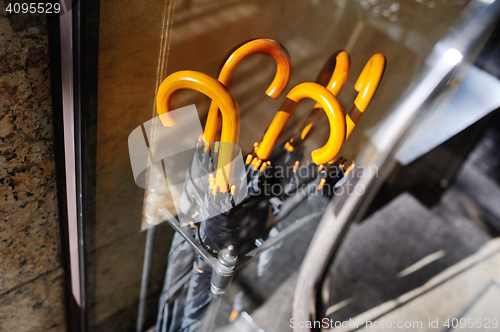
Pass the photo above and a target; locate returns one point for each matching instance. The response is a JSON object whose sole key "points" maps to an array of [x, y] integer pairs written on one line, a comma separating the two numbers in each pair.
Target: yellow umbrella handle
{"points": [[220, 95], [334, 73], [332, 109], [333, 76], [278, 85], [366, 85]]}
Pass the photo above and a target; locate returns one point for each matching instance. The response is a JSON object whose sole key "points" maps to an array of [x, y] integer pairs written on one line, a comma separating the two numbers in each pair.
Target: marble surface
{"points": [[29, 228], [35, 306], [31, 282]]}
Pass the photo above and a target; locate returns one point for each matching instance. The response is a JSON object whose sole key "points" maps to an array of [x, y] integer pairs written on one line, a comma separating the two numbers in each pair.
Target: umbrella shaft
{"points": [[196, 246]]}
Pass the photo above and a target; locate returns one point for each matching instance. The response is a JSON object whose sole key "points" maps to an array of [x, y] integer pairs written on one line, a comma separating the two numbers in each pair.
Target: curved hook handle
{"points": [[207, 85], [328, 103], [366, 85], [333, 76], [278, 85], [334, 73]]}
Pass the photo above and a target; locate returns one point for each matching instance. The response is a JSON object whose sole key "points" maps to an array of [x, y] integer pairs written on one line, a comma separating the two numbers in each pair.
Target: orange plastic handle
{"points": [[278, 85], [333, 76], [366, 85], [328, 103], [336, 69], [231, 121]]}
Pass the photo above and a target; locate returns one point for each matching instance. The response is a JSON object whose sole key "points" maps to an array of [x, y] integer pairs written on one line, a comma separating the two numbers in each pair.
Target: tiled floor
{"points": [[471, 293]]}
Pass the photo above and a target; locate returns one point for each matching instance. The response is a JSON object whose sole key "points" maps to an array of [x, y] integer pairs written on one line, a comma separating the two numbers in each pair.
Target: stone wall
{"points": [[31, 274]]}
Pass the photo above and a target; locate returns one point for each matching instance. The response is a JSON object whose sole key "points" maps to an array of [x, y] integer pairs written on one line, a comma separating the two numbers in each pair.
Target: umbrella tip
{"points": [[321, 184], [256, 163]]}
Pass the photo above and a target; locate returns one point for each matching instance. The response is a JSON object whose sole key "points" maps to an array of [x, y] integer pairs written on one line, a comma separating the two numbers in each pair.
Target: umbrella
{"points": [[366, 85], [232, 61], [196, 187], [333, 76], [329, 104], [253, 208], [202, 160], [326, 175], [171, 306]]}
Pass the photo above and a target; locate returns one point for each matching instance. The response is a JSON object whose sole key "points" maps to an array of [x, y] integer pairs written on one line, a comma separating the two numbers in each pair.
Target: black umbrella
{"points": [[182, 256], [197, 201], [198, 297], [291, 183], [192, 195], [253, 208]]}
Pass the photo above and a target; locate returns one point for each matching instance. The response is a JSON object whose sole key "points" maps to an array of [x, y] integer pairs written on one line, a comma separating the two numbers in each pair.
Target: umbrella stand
{"points": [[200, 250], [222, 271], [222, 267], [271, 242], [265, 245]]}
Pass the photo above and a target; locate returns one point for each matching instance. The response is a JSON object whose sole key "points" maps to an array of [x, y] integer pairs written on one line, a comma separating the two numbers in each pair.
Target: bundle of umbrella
{"points": [[226, 208]]}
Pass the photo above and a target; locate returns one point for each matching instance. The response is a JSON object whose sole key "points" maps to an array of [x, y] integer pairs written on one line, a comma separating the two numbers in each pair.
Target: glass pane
{"points": [[140, 43]]}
